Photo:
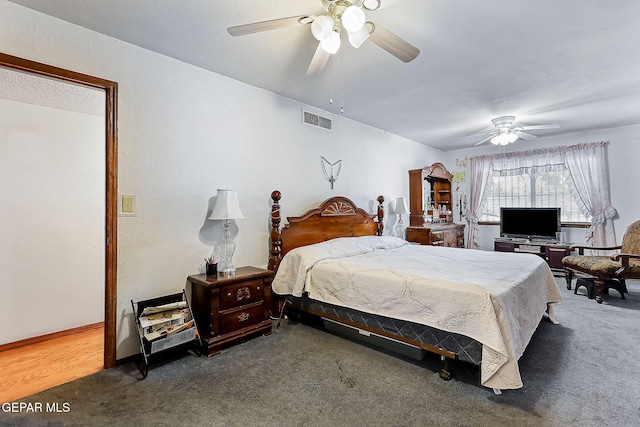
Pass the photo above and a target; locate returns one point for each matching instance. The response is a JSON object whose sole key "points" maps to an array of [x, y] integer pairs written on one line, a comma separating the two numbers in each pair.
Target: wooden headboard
{"points": [[335, 217]]}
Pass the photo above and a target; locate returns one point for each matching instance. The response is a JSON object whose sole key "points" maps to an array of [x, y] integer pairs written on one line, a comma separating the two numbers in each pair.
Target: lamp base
{"points": [[224, 254], [227, 273], [399, 228]]}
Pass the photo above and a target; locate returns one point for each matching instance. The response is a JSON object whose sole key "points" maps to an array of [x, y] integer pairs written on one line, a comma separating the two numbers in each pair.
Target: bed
{"points": [[476, 306]]}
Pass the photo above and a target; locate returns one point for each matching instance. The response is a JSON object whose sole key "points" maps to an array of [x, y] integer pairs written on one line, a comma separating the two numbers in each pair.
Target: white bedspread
{"points": [[495, 298]]}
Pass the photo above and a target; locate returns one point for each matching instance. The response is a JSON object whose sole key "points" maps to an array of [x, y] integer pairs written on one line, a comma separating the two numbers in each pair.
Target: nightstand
{"points": [[229, 310]]}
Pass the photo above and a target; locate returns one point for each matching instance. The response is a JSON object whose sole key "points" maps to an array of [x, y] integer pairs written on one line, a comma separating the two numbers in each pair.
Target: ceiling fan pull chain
{"points": [[341, 84]]}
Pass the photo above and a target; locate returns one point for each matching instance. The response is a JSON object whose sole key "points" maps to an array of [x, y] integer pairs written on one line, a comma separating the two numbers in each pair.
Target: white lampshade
{"points": [[504, 138], [497, 140], [227, 206], [321, 27], [331, 44], [401, 206], [352, 19]]}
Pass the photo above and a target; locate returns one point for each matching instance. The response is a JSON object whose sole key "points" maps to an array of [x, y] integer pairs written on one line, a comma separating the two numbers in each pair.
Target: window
{"points": [[535, 189]]}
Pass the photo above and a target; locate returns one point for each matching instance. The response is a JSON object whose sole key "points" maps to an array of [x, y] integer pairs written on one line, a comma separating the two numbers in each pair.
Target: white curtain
{"points": [[588, 181], [528, 162], [480, 170], [586, 174]]}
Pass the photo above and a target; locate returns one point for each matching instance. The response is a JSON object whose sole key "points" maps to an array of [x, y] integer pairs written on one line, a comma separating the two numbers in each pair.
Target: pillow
{"points": [[381, 242]]}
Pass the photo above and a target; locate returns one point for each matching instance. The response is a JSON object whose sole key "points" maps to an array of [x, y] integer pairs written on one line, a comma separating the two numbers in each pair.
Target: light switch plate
{"points": [[128, 205]]}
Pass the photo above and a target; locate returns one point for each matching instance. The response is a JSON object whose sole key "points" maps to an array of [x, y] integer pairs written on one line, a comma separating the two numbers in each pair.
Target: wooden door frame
{"points": [[111, 203]]}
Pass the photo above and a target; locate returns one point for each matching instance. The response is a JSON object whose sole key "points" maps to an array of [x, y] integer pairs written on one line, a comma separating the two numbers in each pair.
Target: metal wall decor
{"points": [[330, 174]]}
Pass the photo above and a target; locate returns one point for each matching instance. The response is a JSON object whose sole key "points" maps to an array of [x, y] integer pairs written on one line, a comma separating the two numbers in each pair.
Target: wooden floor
{"points": [[36, 367]]}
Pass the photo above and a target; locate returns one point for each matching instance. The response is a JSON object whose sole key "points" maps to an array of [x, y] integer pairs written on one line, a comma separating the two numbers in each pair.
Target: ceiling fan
{"points": [[343, 17], [506, 132]]}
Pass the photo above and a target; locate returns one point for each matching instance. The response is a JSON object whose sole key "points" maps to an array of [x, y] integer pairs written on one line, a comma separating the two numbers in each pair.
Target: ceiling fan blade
{"points": [[318, 62], [539, 127], [273, 24], [387, 3], [475, 135], [525, 135], [395, 45], [486, 139]]}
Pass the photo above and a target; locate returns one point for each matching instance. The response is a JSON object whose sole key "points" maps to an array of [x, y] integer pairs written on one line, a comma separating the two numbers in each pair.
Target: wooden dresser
{"points": [[449, 234], [430, 190], [231, 309]]}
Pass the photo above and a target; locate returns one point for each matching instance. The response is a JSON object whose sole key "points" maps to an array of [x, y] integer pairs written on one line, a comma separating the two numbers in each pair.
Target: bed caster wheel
{"points": [[569, 287], [445, 375]]}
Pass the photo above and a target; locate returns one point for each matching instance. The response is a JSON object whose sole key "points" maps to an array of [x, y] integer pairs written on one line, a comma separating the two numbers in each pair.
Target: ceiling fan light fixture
{"points": [[499, 139], [321, 27], [371, 4], [352, 19], [504, 138], [331, 44], [357, 38]]}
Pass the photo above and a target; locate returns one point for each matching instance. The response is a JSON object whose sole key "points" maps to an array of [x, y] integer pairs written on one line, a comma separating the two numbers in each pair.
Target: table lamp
{"points": [[401, 208], [226, 209]]}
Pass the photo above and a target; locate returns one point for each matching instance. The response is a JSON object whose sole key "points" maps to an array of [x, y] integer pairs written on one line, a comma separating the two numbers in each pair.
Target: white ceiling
{"points": [[49, 92], [575, 63]]}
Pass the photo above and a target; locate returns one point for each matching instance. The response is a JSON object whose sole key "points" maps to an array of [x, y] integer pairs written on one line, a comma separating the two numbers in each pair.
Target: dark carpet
{"points": [[583, 372]]}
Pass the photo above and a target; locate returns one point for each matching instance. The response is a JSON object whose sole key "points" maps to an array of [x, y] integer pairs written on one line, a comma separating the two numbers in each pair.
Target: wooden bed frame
{"points": [[335, 217]]}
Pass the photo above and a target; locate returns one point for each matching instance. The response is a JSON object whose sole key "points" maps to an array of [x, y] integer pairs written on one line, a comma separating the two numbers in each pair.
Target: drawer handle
{"points": [[243, 293], [243, 317], [229, 295], [257, 288]]}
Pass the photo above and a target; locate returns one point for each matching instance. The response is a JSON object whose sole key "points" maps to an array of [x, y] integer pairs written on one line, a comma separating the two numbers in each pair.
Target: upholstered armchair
{"points": [[604, 269]]}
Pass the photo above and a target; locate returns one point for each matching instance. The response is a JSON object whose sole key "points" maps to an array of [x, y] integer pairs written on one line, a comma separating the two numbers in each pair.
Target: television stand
{"points": [[550, 250]]}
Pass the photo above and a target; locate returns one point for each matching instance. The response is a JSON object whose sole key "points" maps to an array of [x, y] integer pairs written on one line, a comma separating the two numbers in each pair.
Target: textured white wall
{"points": [[623, 153], [183, 133], [52, 188]]}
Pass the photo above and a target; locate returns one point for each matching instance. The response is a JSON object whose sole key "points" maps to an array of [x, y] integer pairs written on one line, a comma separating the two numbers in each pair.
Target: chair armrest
{"points": [[624, 260], [616, 257], [582, 248]]}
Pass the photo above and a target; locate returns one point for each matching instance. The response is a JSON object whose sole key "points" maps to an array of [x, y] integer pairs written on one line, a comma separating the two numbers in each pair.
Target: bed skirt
{"points": [[466, 349]]}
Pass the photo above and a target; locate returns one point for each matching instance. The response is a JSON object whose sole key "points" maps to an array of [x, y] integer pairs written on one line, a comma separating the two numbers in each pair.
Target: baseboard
{"points": [[127, 359], [51, 336]]}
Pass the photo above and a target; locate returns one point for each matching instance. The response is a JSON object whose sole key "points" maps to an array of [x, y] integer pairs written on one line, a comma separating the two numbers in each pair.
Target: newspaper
{"points": [[162, 317], [169, 331], [166, 307]]}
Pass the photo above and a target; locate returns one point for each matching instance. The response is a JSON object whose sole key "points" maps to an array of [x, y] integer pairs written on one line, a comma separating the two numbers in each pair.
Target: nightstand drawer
{"points": [[241, 294], [420, 235], [241, 317], [437, 238]]}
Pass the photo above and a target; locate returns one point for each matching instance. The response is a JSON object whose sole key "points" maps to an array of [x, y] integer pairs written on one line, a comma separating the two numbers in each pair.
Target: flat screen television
{"points": [[530, 223]]}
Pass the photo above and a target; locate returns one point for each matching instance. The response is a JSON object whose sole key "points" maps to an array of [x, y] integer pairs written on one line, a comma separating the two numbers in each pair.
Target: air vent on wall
{"points": [[312, 119]]}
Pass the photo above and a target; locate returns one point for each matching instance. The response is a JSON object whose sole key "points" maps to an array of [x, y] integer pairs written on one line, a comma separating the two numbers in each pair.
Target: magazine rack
{"points": [[186, 339]]}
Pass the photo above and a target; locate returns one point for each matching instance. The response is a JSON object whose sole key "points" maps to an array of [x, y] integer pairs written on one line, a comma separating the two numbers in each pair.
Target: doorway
{"points": [[110, 182]]}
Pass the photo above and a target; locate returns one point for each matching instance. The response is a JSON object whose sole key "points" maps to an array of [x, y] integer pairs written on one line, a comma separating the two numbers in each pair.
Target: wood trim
{"points": [[111, 203], [51, 336], [111, 224], [437, 170]]}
